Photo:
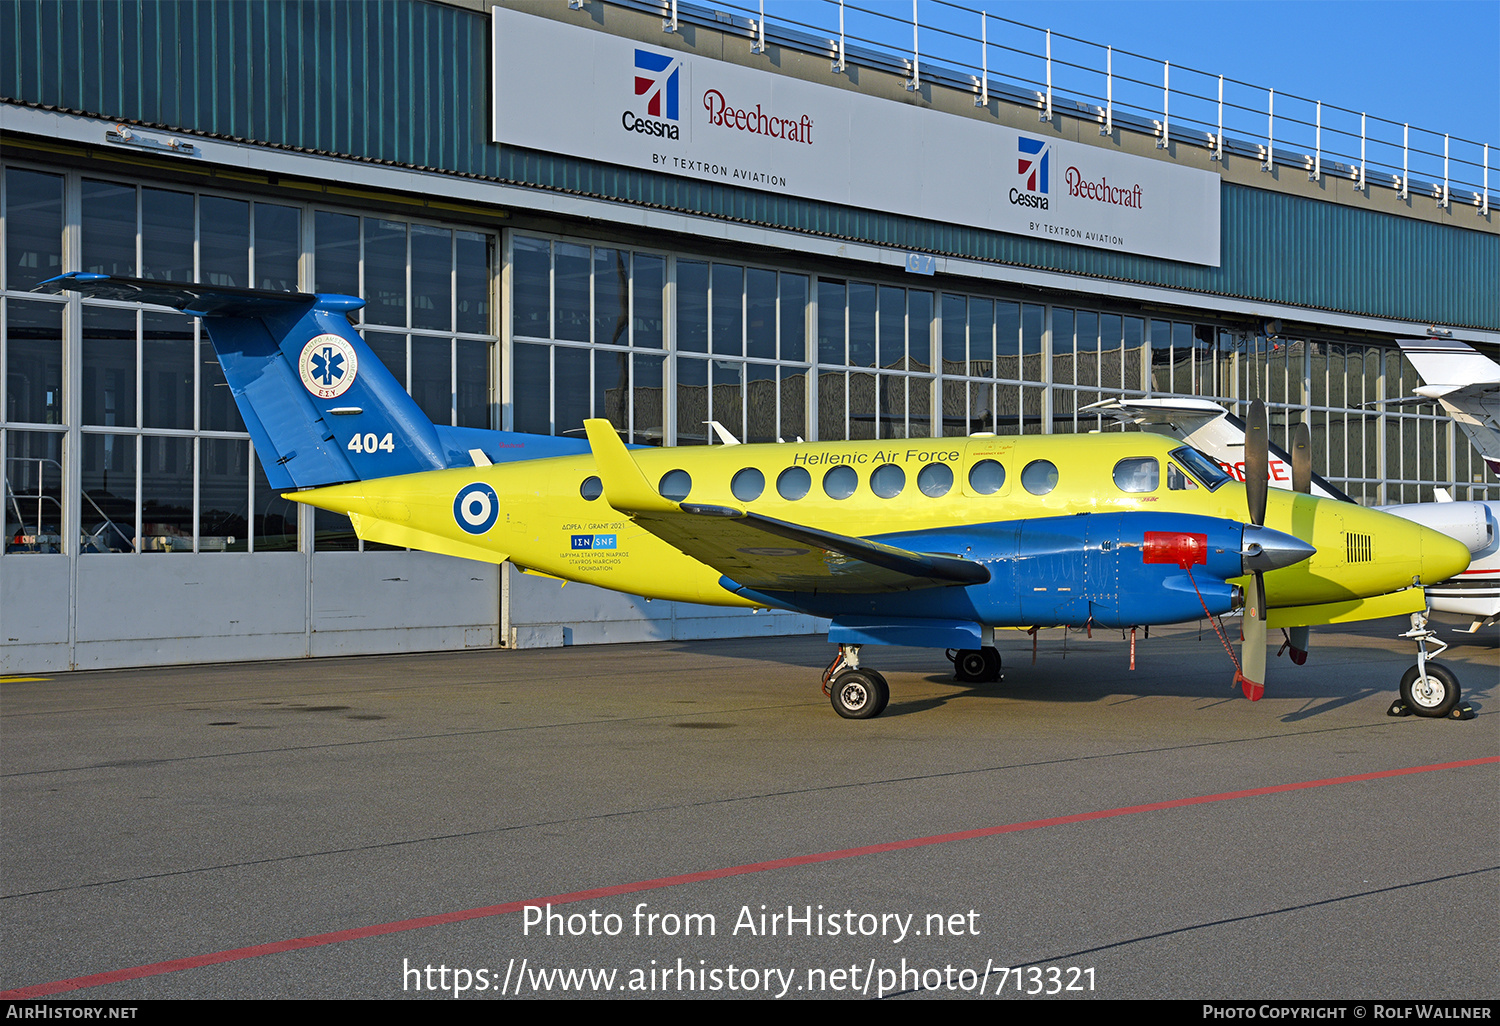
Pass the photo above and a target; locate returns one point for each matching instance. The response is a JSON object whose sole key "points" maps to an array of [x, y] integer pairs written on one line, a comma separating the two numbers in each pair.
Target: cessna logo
{"points": [[1033, 165], [658, 82]]}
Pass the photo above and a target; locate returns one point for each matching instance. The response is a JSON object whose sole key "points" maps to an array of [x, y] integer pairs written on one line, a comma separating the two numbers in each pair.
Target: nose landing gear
{"points": [[1429, 688]]}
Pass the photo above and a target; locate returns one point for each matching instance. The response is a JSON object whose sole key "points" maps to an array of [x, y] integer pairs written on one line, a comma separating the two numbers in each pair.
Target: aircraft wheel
{"points": [[1432, 695], [977, 665], [859, 694]]}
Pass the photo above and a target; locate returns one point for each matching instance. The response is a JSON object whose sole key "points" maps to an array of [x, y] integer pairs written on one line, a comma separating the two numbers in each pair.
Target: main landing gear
{"points": [[975, 665], [856, 693], [1429, 688]]}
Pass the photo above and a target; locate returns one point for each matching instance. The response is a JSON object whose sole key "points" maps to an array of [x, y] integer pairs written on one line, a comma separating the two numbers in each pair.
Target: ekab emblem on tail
{"points": [[328, 366], [476, 508]]}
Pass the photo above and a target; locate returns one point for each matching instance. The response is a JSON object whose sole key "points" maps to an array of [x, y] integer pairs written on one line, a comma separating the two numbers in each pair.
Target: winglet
{"points": [[625, 487]]}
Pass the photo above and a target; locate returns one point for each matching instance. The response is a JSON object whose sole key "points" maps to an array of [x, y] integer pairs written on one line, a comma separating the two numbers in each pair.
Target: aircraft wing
{"points": [[762, 553]]}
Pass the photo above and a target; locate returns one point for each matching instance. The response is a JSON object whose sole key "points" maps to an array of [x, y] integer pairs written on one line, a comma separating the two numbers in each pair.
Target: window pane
{"points": [[473, 275], [650, 276], [760, 313], [167, 369], [166, 235], [336, 253], [794, 317], [109, 367], [33, 362], [692, 401], [224, 241], [571, 390], [106, 509], [275, 518], [431, 277], [728, 313], [531, 406], [278, 243], [611, 371], [166, 494], [571, 293], [647, 395], [473, 397], [385, 271], [531, 277], [32, 514], [223, 495], [108, 228], [861, 324], [33, 228], [831, 299], [760, 403], [892, 345], [692, 306], [432, 377], [611, 297]]}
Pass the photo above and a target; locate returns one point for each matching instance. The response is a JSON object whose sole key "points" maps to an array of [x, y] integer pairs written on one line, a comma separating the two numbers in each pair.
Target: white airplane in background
{"points": [[1475, 593], [1467, 383]]}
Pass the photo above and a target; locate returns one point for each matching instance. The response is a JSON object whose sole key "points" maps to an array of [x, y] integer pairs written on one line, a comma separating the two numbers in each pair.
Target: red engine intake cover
{"points": [[1175, 547]]}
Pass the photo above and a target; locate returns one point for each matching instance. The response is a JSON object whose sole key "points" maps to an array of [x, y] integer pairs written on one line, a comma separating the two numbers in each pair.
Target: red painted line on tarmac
{"points": [[594, 893]]}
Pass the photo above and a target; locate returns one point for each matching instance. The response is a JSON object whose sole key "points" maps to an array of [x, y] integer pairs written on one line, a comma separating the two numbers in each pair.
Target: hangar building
{"points": [[666, 215]]}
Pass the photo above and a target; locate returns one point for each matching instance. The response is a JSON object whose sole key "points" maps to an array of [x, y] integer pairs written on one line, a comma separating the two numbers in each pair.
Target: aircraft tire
{"points": [[977, 665], [1435, 695], [859, 694]]}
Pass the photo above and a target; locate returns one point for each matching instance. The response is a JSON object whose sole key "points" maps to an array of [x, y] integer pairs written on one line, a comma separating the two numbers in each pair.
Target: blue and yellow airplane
{"points": [[932, 542]]}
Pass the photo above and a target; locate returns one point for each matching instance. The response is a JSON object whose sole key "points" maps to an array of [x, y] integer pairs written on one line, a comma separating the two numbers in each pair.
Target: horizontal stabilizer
{"points": [[319, 405]]}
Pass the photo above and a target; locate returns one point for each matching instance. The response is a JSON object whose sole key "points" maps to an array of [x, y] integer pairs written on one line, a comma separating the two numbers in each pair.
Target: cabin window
{"points": [[591, 488], [887, 480], [1039, 477], [793, 483], [675, 485], [840, 482], [986, 477], [935, 479], [1137, 474], [748, 484]]}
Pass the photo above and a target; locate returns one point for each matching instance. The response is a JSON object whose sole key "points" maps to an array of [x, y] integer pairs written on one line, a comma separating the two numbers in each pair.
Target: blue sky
{"points": [[1432, 63]]}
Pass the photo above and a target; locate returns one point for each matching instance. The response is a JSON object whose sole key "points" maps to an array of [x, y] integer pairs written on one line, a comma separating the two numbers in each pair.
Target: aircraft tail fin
{"points": [[1467, 383], [319, 405]]}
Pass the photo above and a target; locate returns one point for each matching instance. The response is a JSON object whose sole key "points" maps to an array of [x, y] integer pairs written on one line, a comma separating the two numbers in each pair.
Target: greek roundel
{"points": [[476, 508]]}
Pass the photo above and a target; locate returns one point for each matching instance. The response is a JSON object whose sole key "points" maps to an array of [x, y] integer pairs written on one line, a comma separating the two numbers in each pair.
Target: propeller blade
{"points": [[1252, 675], [1298, 638], [1257, 461], [1302, 459]]}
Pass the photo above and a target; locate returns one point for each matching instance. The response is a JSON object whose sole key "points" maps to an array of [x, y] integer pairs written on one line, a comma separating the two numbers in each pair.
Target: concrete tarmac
{"points": [[703, 823]]}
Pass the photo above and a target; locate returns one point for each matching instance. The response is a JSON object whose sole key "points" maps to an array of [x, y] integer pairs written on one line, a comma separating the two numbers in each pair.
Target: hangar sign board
{"points": [[569, 89]]}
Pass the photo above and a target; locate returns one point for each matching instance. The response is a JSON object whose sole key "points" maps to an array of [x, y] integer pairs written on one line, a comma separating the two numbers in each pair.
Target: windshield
{"points": [[1208, 473]]}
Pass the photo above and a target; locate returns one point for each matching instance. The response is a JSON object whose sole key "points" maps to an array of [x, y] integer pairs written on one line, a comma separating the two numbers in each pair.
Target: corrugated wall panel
{"points": [[408, 82]]}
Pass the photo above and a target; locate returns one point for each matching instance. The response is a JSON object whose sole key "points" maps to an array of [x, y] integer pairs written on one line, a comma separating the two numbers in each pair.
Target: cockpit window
{"points": [[1137, 474], [1208, 473], [1177, 481]]}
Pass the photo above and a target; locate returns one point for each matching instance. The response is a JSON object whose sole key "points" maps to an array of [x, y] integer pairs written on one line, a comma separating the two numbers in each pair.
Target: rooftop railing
{"points": [[999, 59]]}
